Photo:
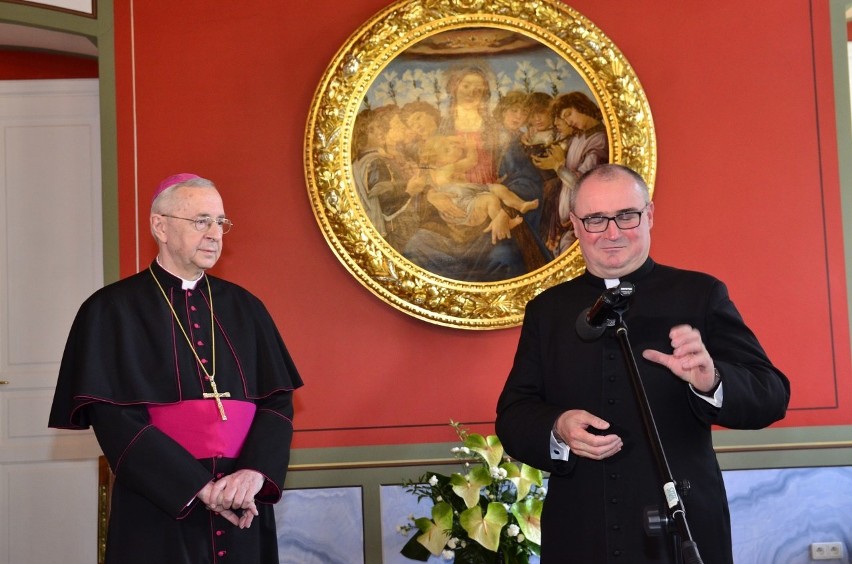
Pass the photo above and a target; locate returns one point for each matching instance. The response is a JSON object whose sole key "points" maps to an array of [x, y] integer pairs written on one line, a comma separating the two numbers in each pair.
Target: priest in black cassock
{"points": [[189, 388], [568, 405]]}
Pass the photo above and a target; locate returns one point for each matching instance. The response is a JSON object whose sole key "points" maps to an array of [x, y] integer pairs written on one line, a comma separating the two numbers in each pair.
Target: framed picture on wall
{"points": [[443, 140]]}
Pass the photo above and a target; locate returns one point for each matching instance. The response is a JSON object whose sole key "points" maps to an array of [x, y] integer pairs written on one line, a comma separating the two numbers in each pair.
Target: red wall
{"points": [[30, 65], [747, 189]]}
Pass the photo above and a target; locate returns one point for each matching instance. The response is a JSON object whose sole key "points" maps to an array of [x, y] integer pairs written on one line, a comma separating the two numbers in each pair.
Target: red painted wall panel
{"points": [[31, 65], [747, 189]]}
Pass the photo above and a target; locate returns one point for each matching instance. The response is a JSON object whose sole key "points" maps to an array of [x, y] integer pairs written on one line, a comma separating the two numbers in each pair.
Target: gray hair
{"points": [[164, 201], [608, 172], [165, 198]]}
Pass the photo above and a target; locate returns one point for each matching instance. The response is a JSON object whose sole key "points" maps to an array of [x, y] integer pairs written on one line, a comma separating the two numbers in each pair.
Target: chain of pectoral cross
{"points": [[209, 375]]}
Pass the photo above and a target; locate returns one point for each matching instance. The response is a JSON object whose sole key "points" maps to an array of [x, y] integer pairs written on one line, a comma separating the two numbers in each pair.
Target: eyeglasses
{"points": [[205, 223], [624, 220]]}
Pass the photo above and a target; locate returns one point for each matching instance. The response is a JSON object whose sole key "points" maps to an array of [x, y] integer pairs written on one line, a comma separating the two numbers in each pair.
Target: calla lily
{"points": [[468, 487], [477, 505], [490, 448], [485, 529], [528, 514], [435, 531]]}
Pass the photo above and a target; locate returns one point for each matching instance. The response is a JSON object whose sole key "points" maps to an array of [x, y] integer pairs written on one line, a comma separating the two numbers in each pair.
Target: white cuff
{"points": [[716, 400], [558, 449]]}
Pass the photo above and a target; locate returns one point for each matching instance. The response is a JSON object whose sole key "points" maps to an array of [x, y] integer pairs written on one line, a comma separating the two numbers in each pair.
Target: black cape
{"points": [[125, 352]]}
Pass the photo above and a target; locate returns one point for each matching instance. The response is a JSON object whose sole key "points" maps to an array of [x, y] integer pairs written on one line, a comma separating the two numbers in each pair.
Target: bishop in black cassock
{"points": [[141, 355]]}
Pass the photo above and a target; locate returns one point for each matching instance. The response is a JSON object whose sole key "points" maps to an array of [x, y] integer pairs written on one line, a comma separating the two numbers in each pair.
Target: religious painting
{"points": [[444, 140]]}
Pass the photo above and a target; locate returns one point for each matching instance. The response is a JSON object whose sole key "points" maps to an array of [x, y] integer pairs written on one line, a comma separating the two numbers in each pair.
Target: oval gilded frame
{"points": [[329, 137]]}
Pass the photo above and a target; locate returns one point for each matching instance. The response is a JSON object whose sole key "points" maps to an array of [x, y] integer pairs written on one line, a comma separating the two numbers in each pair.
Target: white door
{"points": [[50, 261]]}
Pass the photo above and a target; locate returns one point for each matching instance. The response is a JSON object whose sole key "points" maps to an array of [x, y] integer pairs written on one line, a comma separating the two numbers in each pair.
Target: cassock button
{"points": [[220, 533], [219, 475], [612, 378], [200, 343], [614, 501], [613, 476], [203, 361], [609, 401], [189, 293], [611, 356], [196, 325], [222, 553], [616, 552], [192, 308], [616, 527]]}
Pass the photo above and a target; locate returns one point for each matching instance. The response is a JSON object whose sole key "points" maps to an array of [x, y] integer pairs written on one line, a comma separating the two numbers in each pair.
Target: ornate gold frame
{"points": [[329, 137]]}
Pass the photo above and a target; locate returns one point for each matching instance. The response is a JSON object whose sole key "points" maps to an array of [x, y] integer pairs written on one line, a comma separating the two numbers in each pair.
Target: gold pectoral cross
{"points": [[216, 395]]}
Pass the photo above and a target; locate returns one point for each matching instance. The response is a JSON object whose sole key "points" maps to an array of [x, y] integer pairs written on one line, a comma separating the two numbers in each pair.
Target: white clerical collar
{"points": [[185, 284], [611, 282]]}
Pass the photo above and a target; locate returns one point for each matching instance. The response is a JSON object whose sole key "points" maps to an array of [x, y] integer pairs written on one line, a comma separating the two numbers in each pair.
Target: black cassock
{"points": [[128, 371], [594, 510]]}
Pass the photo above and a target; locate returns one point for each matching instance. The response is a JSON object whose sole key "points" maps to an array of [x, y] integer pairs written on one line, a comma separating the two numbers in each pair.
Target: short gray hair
{"points": [[163, 200], [608, 172]]}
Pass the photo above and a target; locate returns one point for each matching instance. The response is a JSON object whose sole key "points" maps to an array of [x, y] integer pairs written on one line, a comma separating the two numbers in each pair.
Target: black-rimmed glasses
{"points": [[205, 223], [623, 220]]}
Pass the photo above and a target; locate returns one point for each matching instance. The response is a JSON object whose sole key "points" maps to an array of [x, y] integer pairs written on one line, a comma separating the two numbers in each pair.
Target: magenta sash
{"points": [[197, 426]]}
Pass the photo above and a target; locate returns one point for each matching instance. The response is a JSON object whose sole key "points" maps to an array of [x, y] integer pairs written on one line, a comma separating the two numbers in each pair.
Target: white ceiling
{"points": [[26, 37]]}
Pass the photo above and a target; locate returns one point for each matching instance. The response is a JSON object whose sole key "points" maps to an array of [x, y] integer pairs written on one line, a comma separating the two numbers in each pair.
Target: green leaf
{"points": [[475, 553], [485, 529], [517, 556], [490, 448], [528, 514], [468, 486], [413, 550], [525, 479], [512, 470], [435, 531]]}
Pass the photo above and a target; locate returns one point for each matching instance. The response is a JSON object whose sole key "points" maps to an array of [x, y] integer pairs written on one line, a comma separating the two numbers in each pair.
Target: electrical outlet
{"points": [[827, 551]]}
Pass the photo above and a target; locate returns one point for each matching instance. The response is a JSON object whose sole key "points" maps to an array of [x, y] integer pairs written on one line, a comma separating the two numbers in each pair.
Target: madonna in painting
{"points": [[459, 158]]}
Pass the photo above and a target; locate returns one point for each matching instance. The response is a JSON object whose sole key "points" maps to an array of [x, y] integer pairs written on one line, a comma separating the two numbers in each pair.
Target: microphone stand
{"points": [[687, 550]]}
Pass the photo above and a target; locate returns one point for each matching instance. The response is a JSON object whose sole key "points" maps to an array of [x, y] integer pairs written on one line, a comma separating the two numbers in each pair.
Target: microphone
{"points": [[593, 321]]}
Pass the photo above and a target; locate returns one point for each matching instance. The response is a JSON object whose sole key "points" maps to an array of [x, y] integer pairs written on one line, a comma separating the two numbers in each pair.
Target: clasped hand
{"points": [[232, 493], [552, 160]]}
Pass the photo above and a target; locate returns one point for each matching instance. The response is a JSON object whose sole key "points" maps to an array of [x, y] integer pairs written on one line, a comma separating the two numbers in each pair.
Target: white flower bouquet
{"points": [[490, 514]]}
